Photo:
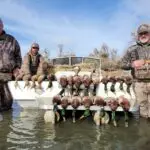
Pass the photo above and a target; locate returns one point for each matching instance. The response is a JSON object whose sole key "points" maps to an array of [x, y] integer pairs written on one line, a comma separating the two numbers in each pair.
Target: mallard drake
{"points": [[63, 83], [77, 83], [70, 85], [125, 104], [87, 102], [53, 115], [101, 117], [113, 104], [64, 104], [75, 103]]}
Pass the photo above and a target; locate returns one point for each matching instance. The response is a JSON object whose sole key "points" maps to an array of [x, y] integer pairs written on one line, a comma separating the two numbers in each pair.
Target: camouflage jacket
{"points": [[32, 64], [136, 52], [10, 54]]}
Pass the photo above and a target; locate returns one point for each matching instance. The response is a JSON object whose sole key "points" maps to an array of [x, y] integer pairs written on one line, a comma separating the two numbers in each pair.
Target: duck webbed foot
{"points": [[27, 84], [33, 86], [39, 86], [16, 84], [85, 114], [63, 113]]}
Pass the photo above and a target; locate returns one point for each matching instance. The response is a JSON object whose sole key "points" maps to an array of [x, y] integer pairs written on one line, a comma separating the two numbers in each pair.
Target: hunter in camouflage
{"points": [[10, 62], [32, 64], [137, 59], [34, 67]]}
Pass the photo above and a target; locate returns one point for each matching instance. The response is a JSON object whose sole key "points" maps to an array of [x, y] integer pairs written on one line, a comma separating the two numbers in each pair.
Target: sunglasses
{"points": [[35, 47], [144, 33]]}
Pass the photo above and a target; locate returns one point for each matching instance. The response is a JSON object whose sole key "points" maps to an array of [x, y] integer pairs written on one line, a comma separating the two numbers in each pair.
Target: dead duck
{"points": [[34, 78], [50, 78], [56, 101], [101, 89], [63, 83], [113, 104], [87, 102], [88, 86], [70, 85], [125, 104], [53, 116], [75, 103], [95, 82], [77, 81], [100, 116], [64, 105], [25, 78]]}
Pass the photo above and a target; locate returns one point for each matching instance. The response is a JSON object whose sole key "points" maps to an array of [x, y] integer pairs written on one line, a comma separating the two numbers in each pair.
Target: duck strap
{"points": [[63, 112], [113, 87], [50, 84], [121, 86], [126, 115], [113, 115], [105, 87], [86, 113], [73, 112], [55, 108], [128, 88], [61, 92]]}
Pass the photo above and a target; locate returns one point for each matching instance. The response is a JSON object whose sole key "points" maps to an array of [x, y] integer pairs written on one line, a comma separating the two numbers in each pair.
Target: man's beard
{"points": [[144, 40]]}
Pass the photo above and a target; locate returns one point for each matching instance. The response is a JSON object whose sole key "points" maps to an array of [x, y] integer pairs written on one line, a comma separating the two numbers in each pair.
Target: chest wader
{"points": [[34, 63], [33, 66], [6, 99]]}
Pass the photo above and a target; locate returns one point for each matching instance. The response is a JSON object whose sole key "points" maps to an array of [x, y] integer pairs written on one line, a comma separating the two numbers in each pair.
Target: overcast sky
{"points": [[80, 25]]}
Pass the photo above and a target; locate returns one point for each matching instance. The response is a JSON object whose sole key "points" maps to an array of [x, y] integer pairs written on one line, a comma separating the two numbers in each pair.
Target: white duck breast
{"points": [[118, 91], [130, 96], [127, 95], [109, 92], [100, 91], [67, 91], [104, 120]]}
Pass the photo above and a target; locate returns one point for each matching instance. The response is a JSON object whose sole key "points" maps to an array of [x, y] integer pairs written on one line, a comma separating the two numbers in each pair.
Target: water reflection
{"points": [[1, 117], [26, 130]]}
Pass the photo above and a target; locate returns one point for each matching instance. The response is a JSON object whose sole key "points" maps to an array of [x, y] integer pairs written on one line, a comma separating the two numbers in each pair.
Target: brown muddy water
{"points": [[26, 130]]}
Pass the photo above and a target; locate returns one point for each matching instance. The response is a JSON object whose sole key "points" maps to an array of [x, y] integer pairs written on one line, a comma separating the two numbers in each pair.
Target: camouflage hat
{"points": [[143, 28], [35, 45]]}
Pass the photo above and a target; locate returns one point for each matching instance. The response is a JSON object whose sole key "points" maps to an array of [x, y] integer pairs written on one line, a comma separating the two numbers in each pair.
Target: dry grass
{"points": [[88, 67]]}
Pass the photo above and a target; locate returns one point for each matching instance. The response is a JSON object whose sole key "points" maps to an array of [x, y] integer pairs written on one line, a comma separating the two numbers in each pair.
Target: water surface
{"points": [[26, 130]]}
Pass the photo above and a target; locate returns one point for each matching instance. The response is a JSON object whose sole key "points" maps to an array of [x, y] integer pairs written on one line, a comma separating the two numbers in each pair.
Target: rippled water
{"points": [[26, 130]]}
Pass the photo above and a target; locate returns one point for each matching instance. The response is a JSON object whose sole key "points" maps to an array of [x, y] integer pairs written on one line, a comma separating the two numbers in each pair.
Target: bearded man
{"points": [[137, 59]]}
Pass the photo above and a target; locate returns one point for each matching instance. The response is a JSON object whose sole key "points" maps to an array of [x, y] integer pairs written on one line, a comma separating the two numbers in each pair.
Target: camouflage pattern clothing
{"points": [[10, 59], [141, 76], [32, 65]]}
